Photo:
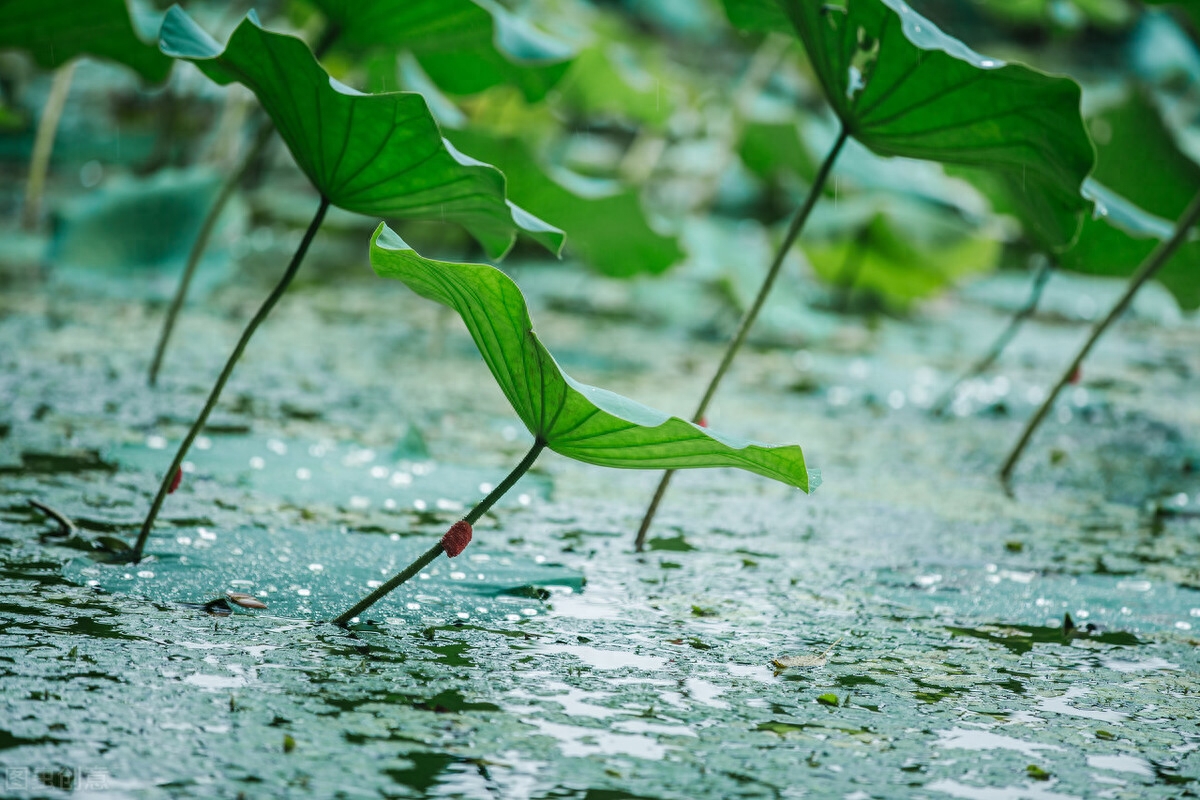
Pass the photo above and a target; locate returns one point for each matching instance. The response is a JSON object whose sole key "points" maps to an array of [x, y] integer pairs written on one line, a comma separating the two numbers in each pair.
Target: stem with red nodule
{"points": [[1151, 265], [453, 542]]}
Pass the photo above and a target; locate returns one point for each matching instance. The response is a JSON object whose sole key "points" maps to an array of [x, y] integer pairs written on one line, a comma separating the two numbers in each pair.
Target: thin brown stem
{"points": [[747, 321], [43, 144], [329, 35], [219, 386], [1151, 265], [426, 558], [265, 129], [1002, 341], [66, 527]]}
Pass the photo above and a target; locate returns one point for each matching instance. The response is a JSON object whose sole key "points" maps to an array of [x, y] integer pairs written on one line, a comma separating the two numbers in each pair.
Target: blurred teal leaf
{"points": [[903, 88], [465, 46], [608, 231], [56, 32], [576, 420], [380, 155]]}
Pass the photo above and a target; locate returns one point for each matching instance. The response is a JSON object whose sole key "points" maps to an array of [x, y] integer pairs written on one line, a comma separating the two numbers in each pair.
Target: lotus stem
{"points": [[1151, 265], [426, 558], [219, 386], [326, 40], [1002, 341], [743, 329], [199, 246], [43, 144]]}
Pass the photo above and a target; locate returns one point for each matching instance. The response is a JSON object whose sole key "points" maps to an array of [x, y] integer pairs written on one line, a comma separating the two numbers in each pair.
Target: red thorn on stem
{"points": [[702, 422], [178, 479], [1076, 376], [455, 540]]}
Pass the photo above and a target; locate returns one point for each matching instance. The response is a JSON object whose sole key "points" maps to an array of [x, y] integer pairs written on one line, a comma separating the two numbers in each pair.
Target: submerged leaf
{"points": [[576, 420], [380, 155], [903, 88], [466, 46], [55, 33]]}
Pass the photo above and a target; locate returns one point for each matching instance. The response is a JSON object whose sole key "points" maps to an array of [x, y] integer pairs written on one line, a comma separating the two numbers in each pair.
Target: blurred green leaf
{"points": [[903, 254], [56, 32], [607, 230], [1143, 184], [769, 148], [465, 46], [903, 88], [1060, 14], [576, 420], [1137, 157], [758, 15], [618, 81], [380, 155]]}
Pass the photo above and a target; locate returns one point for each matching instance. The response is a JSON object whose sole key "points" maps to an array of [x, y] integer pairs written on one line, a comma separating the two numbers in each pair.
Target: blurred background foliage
{"points": [[663, 141]]}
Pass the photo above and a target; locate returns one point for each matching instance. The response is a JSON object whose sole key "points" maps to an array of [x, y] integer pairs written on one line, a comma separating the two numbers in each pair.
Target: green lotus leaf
{"points": [[576, 420], [903, 88], [55, 33], [381, 155], [1143, 183], [608, 229], [466, 46]]}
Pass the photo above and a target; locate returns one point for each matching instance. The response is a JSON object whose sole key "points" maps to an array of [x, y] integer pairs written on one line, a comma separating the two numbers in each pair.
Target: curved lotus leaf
{"points": [[903, 88], [1142, 183], [380, 154], [609, 231], [55, 33], [576, 420], [466, 46]]}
